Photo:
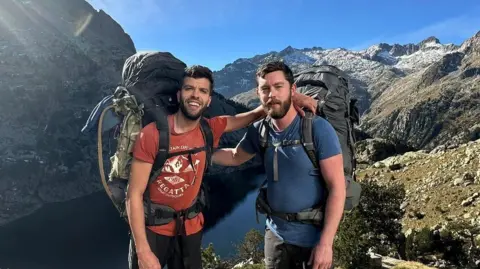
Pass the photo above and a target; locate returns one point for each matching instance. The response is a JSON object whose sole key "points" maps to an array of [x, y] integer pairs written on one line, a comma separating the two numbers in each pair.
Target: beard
{"points": [[280, 112], [190, 115]]}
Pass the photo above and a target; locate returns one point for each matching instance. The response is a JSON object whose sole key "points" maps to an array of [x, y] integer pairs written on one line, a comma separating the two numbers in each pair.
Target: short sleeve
{"points": [[218, 125], [326, 139], [250, 142], [146, 145]]}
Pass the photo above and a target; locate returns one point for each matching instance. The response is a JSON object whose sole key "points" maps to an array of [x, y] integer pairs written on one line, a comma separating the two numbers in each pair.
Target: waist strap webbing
{"points": [[313, 215]]}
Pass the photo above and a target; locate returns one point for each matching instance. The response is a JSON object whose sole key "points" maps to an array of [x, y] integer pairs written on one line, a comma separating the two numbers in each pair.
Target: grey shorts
{"points": [[280, 255]]}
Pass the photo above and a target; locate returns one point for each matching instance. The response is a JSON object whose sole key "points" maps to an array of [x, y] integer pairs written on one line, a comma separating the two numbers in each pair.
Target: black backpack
{"points": [[329, 85], [148, 93]]}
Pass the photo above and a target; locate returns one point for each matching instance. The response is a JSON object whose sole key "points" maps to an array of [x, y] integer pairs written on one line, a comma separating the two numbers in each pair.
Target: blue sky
{"points": [[217, 32]]}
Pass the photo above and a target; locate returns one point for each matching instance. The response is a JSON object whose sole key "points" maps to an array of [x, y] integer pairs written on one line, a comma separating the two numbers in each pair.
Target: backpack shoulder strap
{"points": [[263, 131], [162, 125], [208, 138], [307, 137], [163, 146]]}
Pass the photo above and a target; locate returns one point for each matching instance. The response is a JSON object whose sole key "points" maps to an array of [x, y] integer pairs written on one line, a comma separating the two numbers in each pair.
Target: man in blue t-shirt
{"points": [[293, 183]]}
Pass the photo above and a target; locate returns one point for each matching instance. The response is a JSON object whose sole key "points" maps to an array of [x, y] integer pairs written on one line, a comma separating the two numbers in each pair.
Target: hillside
{"points": [[441, 186], [429, 107], [58, 59]]}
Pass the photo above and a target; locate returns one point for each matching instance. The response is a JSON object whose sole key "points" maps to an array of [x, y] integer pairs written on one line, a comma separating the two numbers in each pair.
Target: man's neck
{"points": [[281, 124], [182, 124]]}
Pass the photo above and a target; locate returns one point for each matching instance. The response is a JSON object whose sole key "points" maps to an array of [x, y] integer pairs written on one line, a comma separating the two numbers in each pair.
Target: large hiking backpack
{"points": [[150, 81], [329, 85]]}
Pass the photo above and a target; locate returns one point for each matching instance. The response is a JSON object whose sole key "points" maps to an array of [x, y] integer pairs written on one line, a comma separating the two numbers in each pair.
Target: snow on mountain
{"points": [[353, 63], [370, 70], [430, 53], [299, 59]]}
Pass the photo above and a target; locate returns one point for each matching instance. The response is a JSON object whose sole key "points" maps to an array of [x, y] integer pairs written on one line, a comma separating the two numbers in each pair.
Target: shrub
{"points": [[351, 243], [210, 260], [419, 243], [454, 243], [251, 247], [374, 225], [459, 243]]}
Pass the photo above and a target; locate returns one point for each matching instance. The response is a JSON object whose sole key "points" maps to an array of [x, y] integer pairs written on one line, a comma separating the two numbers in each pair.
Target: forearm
{"points": [[231, 156], [242, 120], [333, 214], [135, 211]]}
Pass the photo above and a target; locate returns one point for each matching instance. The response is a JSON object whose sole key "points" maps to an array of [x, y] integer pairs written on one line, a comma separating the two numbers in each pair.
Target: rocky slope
{"points": [[58, 58], [442, 201], [442, 185]]}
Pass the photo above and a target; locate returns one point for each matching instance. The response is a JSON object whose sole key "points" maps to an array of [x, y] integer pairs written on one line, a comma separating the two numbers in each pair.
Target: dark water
{"points": [[87, 232]]}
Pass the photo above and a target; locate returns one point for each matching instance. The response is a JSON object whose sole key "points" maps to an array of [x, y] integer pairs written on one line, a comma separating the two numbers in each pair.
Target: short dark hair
{"points": [[273, 66], [200, 71]]}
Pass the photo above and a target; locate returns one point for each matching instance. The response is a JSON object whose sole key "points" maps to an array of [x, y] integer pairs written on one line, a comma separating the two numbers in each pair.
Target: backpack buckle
{"points": [[290, 217], [309, 145]]}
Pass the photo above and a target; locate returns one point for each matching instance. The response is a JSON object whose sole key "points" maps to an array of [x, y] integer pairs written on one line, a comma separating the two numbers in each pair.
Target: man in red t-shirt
{"points": [[179, 181]]}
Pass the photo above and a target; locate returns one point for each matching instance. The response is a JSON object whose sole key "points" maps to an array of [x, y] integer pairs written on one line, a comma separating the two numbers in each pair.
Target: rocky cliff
{"points": [[58, 58]]}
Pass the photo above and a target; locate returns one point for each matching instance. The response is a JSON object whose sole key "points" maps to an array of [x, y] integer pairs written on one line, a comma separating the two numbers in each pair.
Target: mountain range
{"points": [[419, 95]]}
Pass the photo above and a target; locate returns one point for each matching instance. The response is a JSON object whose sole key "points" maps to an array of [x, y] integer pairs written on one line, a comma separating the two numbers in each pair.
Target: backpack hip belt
{"points": [[158, 214], [312, 215]]}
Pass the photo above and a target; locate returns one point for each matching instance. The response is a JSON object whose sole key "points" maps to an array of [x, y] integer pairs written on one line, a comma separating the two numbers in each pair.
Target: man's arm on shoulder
{"points": [[231, 156], [242, 120], [331, 166], [245, 150]]}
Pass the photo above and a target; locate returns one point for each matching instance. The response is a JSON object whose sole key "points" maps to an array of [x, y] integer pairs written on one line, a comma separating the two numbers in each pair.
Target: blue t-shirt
{"points": [[299, 183]]}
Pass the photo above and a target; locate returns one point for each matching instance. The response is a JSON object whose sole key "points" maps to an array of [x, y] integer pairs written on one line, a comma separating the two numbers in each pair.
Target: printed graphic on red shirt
{"points": [[178, 173]]}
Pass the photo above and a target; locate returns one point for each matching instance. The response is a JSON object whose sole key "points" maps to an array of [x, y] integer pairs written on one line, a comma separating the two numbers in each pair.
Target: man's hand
{"points": [[301, 101], [148, 260], [321, 257], [231, 156]]}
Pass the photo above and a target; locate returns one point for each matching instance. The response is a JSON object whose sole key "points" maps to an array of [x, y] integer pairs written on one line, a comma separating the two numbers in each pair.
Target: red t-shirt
{"points": [[179, 183]]}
